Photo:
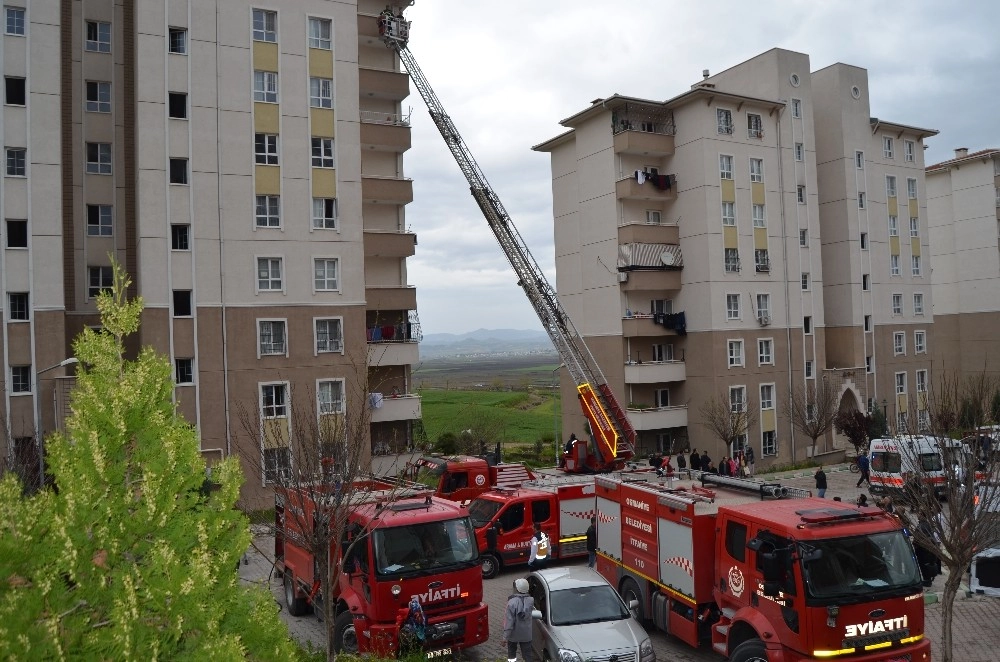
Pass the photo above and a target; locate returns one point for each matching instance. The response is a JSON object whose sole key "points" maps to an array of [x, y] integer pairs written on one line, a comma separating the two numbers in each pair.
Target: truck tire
{"points": [[345, 638], [296, 606], [490, 565], [630, 591], [751, 650]]}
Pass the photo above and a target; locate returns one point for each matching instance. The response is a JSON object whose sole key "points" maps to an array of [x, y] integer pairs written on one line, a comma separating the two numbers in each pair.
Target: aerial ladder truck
{"points": [[612, 432]]}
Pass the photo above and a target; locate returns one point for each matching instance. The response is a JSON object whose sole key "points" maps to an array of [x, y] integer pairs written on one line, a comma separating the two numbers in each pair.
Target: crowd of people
{"points": [[740, 465]]}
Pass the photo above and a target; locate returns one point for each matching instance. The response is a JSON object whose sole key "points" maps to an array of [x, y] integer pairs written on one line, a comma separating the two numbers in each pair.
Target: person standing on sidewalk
{"points": [[592, 543], [864, 465], [517, 621], [750, 460], [695, 460], [539, 549], [820, 482]]}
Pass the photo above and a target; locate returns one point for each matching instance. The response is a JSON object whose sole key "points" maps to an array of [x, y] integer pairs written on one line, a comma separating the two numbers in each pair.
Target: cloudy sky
{"points": [[508, 71]]}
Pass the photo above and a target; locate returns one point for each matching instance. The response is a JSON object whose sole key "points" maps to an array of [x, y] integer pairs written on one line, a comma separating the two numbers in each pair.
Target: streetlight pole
{"points": [[38, 414], [885, 416]]}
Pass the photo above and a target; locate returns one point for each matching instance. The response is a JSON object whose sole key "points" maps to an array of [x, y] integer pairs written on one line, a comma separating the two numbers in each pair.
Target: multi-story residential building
{"points": [[695, 239], [245, 164], [963, 200]]}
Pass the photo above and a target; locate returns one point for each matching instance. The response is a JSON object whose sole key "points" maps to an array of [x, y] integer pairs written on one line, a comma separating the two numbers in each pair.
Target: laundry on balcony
{"points": [[662, 182], [673, 321]]}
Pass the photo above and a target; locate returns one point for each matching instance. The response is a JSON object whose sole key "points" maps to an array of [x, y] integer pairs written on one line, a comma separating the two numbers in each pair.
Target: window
{"points": [[725, 120], [893, 226], [265, 25], [908, 150], [915, 264], [800, 194], [322, 153], [809, 369], [330, 396], [732, 306], [864, 241], [859, 160], [663, 352], [869, 365], [919, 342], [797, 108], [765, 352], [914, 226], [177, 105], [725, 166], [759, 216], [800, 152], [652, 217], [728, 213], [99, 223], [897, 304], [99, 158], [265, 86], [737, 399], [277, 463], [20, 378], [98, 97], [887, 147], [807, 324], [180, 237], [665, 306], [319, 33], [99, 279], [321, 93], [893, 265], [14, 91], [921, 381], [178, 171], [177, 41], [764, 306], [98, 37], [768, 443], [17, 233], [898, 343], [911, 188], [861, 200], [866, 282], [735, 353], [661, 397], [755, 126], [324, 213], [756, 170], [325, 274], [17, 158], [265, 148], [918, 304], [761, 261], [803, 238], [767, 396], [900, 383], [268, 211], [17, 304], [182, 303], [890, 186], [183, 371], [732, 258], [329, 335], [273, 401], [868, 322], [269, 273], [271, 335], [14, 20], [805, 281]]}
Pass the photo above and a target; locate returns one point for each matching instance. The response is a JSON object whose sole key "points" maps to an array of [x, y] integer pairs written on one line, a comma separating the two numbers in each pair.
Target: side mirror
{"points": [[633, 604]]}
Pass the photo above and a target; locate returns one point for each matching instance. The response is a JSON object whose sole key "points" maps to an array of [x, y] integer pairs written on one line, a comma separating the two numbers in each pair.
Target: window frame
{"points": [[735, 354], [767, 404], [171, 106], [21, 310], [899, 343], [866, 282], [765, 357], [893, 225], [266, 149], [20, 380], [183, 303], [731, 260], [733, 306], [920, 380], [183, 363], [800, 152], [98, 104], [338, 341], [278, 407], [803, 238], [911, 188], [19, 15], [864, 241], [323, 97], [765, 309], [805, 281], [180, 232], [16, 162], [867, 323], [861, 200], [916, 269], [177, 40], [724, 121], [264, 25], [174, 174], [740, 402], [266, 327], [918, 303], [341, 403], [326, 222], [759, 215], [320, 40], [890, 186], [326, 261], [266, 87], [105, 280], [859, 160], [728, 219], [909, 150], [271, 280], [267, 211], [800, 194], [899, 384], [888, 150], [768, 443], [16, 229], [807, 325], [914, 227], [105, 225], [755, 129], [21, 99], [809, 369], [726, 166], [756, 170], [894, 269], [796, 108], [919, 341], [897, 303], [102, 42], [327, 154], [104, 165]]}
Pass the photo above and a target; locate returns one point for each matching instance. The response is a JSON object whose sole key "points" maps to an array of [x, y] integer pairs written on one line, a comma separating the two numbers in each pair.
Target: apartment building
{"points": [[963, 199], [244, 162], [708, 246]]}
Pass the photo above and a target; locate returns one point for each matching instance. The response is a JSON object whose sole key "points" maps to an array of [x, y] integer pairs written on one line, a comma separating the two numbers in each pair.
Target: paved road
{"points": [[977, 639]]}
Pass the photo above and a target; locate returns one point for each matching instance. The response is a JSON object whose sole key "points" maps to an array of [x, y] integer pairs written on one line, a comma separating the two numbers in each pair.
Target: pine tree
{"points": [[132, 554]]}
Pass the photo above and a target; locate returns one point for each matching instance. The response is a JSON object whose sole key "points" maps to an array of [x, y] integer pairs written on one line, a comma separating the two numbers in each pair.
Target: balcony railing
{"points": [[658, 418], [395, 407], [376, 117], [404, 332]]}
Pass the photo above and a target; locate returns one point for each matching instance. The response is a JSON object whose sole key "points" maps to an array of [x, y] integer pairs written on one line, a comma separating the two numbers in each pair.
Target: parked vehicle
{"points": [[760, 571], [895, 460], [579, 617], [402, 544]]}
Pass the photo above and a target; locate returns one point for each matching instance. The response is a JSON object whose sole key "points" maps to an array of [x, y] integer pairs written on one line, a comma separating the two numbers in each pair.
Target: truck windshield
{"points": [[857, 568], [427, 546], [481, 511]]}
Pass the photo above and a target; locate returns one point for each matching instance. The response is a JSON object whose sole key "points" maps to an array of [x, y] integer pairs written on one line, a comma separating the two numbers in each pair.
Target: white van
{"points": [[894, 460]]}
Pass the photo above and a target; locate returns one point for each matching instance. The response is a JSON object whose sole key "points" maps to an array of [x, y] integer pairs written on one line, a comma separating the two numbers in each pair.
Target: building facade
{"points": [[724, 244], [244, 163]]}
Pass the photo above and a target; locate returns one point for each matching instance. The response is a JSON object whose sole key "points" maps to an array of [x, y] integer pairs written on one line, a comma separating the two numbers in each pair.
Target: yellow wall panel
{"points": [[321, 124], [760, 238], [320, 63], [729, 237], [267, 180], [893, 205], [324, 183], [265, 56], [915, 245], [893, 245], [902, 403], [266, 118], [757, 193], [275, 432], [728, 190], [767, 420], [913, 208]]}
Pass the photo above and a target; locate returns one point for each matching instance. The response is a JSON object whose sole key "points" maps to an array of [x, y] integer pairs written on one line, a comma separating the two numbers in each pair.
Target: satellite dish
{"points": [[667, 258]]}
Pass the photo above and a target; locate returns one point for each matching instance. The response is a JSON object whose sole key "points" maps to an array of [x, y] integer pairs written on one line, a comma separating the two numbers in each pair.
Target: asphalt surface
{"points": [[975, 633]]}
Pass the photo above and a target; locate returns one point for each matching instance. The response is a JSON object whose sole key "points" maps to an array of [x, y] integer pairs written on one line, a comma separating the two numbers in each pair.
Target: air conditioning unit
{"points": [[763, 267], [764, 319], [622, 276]]}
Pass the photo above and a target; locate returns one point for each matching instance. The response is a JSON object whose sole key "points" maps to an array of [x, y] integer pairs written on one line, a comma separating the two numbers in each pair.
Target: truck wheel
{"points": [[345, 638], [752, 650], [490, 565], [630, 591], [296, 606]]}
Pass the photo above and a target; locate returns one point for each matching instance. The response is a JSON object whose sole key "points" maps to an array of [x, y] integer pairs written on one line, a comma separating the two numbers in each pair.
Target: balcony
{"points": [[395, 408], [658, 418], [644, 143], [649, 233], [390, 244], [660, 324], [386, 190], [649, 280], [391, 298], [655, 372], [385, 132], [383, 84], [387, 353], [629, 188]]}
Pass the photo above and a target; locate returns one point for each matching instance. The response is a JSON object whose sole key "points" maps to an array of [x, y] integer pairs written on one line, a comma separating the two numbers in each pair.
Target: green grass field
{"points": [[518, 417]]}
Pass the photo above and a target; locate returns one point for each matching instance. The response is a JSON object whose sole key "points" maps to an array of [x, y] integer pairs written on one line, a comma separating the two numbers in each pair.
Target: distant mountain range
{"points": [[486, 342]]}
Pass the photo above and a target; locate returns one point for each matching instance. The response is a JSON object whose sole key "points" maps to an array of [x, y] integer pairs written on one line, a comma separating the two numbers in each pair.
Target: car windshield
{"points": [[421, 547], [481, 511], [861, 567], [586, 604]]}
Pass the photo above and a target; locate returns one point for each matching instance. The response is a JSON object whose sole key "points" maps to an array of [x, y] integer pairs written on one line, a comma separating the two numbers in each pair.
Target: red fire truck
{"points": [[464, 477], [402, 543], [762, 572]]}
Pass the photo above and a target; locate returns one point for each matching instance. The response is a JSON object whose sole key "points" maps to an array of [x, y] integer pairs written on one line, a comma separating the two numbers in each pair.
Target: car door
{"points": [[540, 635], [514, 537]]}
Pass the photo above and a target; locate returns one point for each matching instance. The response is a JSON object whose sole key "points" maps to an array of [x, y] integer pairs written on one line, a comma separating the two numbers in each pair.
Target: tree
{"points": [[729, 417], [961, 518], [855, 425], [131, 553], [812, 408]]}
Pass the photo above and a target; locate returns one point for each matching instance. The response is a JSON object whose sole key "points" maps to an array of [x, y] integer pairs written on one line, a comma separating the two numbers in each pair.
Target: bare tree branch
{"points": [[812, 408]]}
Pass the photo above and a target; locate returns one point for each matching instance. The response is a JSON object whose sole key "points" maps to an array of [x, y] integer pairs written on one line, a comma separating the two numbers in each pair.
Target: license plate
{"points": [[438, 654]]}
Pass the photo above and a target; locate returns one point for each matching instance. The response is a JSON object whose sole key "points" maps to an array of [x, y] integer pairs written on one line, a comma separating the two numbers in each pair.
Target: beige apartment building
{"points": [[737, 241], [244, 162], [963, 198]]}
